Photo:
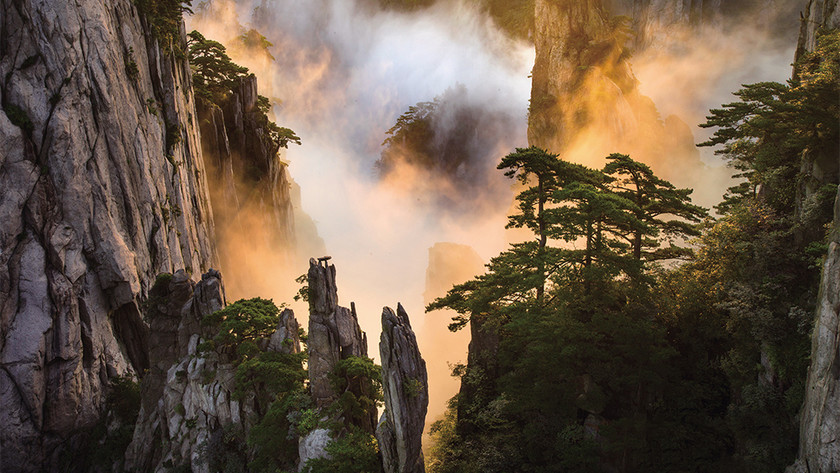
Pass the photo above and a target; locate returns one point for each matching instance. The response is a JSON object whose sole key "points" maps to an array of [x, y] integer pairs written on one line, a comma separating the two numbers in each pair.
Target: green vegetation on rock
{"points": [[164, 20], [216, 77]]}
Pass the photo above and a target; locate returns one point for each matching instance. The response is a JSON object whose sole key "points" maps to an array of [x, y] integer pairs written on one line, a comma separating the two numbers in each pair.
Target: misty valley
{"points": [[406, 236]]}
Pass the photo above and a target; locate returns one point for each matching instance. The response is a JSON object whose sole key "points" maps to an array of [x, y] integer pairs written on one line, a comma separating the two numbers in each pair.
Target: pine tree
{"points": [[653, 200]]}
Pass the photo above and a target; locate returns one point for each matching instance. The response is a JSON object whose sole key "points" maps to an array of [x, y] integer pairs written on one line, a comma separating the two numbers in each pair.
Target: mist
{"points": [[343, 72]]}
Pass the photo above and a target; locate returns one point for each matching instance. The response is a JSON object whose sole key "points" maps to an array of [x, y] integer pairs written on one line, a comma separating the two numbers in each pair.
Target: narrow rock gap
{"points": [[85, 331]]}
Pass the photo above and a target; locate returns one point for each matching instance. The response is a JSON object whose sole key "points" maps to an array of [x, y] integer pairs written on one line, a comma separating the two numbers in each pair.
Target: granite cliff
{"points": [[104, 188], [585, 98], [820, 416]]}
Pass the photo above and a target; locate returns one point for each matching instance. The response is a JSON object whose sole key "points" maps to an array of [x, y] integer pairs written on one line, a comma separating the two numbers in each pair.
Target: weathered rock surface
{"points": [[819, 448], [103, 188], [817, 14], [188, 396], [250, 185], [334, 332], [406, 392], [286, 339], [313, 445], [655, 22]]}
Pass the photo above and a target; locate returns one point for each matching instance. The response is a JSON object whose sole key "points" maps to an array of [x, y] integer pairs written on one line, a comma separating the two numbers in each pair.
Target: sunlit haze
{"points": [[341, 76]]}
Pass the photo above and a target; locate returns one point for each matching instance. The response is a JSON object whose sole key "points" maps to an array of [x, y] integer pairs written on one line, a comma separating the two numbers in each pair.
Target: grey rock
{"points": [[286, 339], [92, 210], [188, 396], [817, 14], [820, 416], [313, 445], [175, 374], [334, 332], [405, 386]]}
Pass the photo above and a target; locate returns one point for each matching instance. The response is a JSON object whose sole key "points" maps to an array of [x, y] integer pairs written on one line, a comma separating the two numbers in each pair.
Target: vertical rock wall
{"points": [[819, 435], [585, 100], [251, 187], [103, 188], [819, 449]]}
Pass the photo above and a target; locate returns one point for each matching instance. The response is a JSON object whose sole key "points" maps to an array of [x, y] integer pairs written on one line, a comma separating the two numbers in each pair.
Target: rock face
{"points": [[405, 386], [820, 425], [313, 445], [175, 309], [250, 186], [658, 21], [286, 339], [585, 98], [334, 332], [819, 449], [188, 395], [585, 101], [103, 188], [817, 14], [334, 335]]}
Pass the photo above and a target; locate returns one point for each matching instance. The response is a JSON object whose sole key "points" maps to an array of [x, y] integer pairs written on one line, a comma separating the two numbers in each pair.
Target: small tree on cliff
{"points": [[216, 76]]}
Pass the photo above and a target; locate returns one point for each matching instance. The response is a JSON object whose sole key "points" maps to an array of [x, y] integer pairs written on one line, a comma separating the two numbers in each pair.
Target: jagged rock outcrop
{"points": [[334, 332], [174, 311], [286, 339], [103, 189], [819, 449], [188, 399], [406, 392], [251, 187], [334, 335]]}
